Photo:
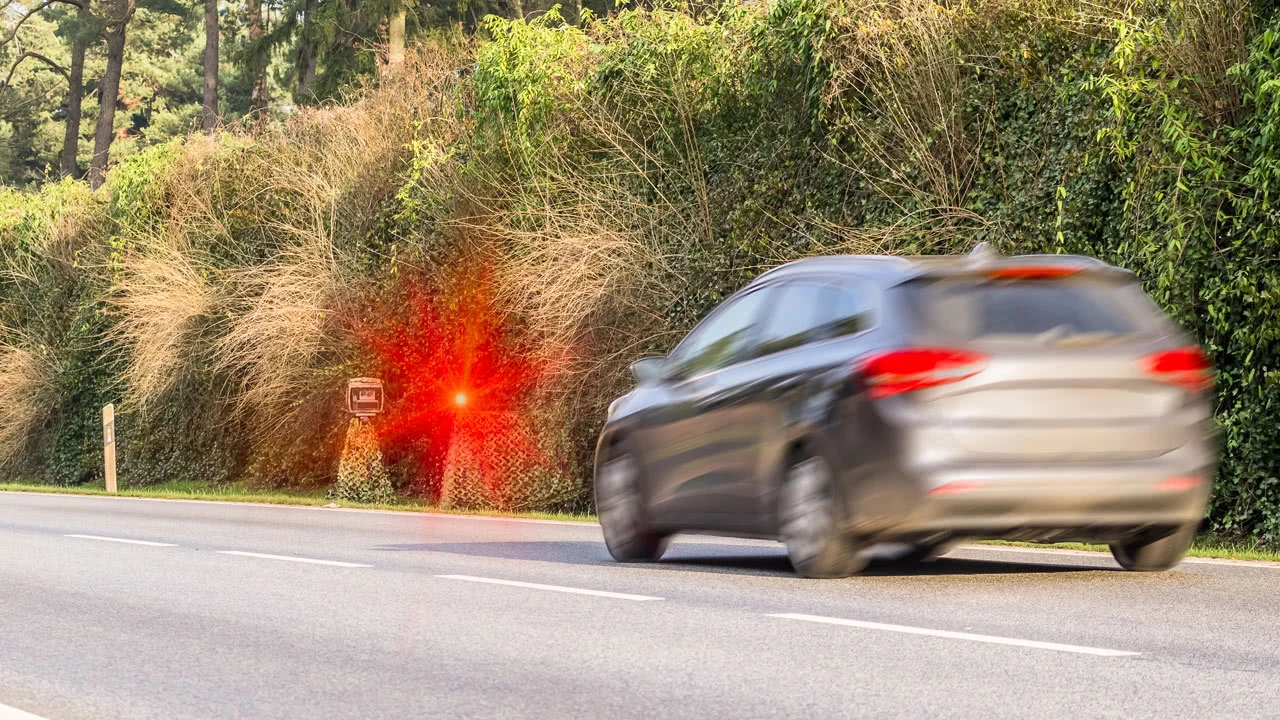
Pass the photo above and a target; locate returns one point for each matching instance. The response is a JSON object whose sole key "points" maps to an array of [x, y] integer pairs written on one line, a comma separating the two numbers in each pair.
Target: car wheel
{"points": [[1154, 555], [620, 510], [809, 523]]}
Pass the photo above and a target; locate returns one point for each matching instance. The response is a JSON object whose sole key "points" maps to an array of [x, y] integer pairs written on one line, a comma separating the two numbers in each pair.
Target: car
{"points": [[840, 402]]}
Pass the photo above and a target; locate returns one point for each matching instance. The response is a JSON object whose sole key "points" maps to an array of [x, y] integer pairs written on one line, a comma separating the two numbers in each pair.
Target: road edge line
{"points": [[317, 508]]}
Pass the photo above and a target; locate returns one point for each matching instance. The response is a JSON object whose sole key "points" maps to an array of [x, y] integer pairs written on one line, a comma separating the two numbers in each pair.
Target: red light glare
{"points": [[461, 376]]}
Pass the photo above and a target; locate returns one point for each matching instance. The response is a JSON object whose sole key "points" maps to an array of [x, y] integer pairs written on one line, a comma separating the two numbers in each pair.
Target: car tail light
{"points": [[957, 487], [902, 371], [1180, 483], [1184, 367], [1032, 272]]}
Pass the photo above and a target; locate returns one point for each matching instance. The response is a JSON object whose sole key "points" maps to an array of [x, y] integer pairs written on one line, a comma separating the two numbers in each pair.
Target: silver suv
{"points": [[839, 402]]}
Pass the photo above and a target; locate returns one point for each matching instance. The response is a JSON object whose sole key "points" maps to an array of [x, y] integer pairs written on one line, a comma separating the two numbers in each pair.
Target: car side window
{"points": [[795, 310], [845, 311], [721, 339]]}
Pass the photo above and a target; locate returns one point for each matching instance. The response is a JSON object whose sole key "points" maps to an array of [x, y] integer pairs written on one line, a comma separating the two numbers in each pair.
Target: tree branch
{"points": [[37, 56], [13, 32]]}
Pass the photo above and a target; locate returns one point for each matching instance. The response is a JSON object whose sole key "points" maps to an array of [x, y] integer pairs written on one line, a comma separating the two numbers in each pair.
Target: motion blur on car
{"points": [[836, 403]]}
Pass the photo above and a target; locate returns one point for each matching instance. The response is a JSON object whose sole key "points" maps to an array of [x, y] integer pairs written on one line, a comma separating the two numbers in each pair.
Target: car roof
{"points": [[894, 269]]}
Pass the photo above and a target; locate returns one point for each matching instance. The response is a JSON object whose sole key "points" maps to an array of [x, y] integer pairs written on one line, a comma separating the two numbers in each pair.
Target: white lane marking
{"points": [[122, 540], [13, 713], [553, 588], [291, 558], [996, 639]]}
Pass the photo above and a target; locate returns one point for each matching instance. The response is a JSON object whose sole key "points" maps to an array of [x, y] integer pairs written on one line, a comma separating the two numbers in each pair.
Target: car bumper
{"points": [[1031, 501], [1007, 509]]}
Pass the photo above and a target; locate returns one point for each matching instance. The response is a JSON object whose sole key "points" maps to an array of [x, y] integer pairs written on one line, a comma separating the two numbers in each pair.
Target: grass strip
{"points": [[1202, 548], [240, 493]]}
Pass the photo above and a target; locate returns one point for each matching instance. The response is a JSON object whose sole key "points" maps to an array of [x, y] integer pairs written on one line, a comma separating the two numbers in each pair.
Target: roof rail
{"points": [[887, 259]]}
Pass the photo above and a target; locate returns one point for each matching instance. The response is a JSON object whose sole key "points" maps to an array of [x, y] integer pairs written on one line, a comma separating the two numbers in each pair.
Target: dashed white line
{"points": [[552, 588], [995, 639], [292, 558], [13, 713], [122, 540]]}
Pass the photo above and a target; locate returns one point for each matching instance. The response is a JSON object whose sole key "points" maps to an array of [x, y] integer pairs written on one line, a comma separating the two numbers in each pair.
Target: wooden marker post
{"points": [[109, 444]]}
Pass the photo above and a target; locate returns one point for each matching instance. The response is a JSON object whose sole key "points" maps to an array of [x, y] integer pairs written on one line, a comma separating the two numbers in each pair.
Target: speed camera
{"points": [[364, 397]]}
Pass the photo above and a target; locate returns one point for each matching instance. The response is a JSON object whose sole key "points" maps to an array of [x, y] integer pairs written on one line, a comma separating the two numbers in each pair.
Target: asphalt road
{"points": [[410, 615]]}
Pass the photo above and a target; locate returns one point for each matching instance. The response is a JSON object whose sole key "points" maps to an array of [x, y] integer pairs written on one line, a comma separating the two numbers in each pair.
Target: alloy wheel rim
{"points": [[806, 520], [616, 497]]}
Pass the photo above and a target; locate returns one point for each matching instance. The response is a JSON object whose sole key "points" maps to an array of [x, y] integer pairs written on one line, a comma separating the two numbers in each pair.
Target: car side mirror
{"points": [[649, 370]]}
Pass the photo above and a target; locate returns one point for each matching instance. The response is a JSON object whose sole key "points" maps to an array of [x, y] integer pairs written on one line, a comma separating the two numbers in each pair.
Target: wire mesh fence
{"points": [[506, 461]]}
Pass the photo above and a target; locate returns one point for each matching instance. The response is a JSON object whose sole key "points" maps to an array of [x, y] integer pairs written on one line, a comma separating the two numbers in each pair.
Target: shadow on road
{"points": [[568, 552], [879, 566], [702, 557]]}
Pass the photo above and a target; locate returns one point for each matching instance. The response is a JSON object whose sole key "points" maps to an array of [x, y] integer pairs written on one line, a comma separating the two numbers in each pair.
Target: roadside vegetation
{"points": [[500, 224]]}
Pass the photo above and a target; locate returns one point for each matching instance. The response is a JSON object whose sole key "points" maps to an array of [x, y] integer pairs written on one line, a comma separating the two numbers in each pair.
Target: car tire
{"points": [[620, 510], [810, 523], [1141, 555]]}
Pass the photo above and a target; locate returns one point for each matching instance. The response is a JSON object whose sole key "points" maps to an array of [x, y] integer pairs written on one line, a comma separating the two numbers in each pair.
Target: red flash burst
{"points": [[456, 371]]}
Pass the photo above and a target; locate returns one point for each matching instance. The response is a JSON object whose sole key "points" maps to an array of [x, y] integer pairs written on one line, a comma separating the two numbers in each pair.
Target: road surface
{"points": [[128, 608]]}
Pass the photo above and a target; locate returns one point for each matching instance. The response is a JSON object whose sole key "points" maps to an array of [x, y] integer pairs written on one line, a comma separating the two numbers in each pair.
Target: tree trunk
{"points": [[209, 118], [517, 9], [307, 87], [307, 53], [257, 61], [75, 94], [105, 131], [395, 36]]}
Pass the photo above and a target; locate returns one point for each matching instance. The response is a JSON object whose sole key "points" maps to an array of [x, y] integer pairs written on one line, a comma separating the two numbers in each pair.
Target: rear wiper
{"points": [[1053, 335], [1086, 339]]}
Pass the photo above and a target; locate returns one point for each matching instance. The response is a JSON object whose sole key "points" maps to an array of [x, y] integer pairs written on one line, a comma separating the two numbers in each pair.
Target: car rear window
{"points": [[1063, 308]]}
